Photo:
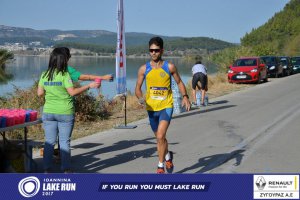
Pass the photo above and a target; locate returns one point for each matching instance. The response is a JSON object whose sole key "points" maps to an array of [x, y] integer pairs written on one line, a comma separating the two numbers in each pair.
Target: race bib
{"points": [[158, 93]]}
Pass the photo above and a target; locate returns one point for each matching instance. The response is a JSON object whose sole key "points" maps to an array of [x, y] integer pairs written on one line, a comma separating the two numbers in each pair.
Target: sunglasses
{"points": [[154, 50]]}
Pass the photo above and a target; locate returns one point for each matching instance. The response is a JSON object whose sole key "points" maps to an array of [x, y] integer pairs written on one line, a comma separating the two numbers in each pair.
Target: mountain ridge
{"points": [[101, 37], [104, 42]]}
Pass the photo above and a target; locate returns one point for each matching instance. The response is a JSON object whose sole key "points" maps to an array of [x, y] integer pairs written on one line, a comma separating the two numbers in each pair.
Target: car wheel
{"points": [[266, 79], [259, 79]]}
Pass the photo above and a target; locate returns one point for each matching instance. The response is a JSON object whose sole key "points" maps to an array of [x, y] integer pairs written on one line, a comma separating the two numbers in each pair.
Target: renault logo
{"points": [[260, 183]]}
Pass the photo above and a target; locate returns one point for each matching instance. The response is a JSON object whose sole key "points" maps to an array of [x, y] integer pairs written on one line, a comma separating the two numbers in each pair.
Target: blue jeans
{"points": [[61, 125]]}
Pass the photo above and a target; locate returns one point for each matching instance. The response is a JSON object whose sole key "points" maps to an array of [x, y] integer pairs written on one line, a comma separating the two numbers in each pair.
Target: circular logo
{"points": [[28, 187], [162, 74]]}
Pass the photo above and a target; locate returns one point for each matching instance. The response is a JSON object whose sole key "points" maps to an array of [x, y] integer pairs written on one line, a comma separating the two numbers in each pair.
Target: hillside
{"points": [[281, 34], [27, 35], [101, 41], [14, 32]]}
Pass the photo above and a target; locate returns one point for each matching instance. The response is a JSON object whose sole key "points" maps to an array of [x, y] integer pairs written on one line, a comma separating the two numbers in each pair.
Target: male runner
{"points": [[159, 99]]}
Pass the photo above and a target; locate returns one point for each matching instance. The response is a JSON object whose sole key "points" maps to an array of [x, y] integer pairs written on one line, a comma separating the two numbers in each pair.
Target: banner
{"points": [[120, 51], [149, 186]]}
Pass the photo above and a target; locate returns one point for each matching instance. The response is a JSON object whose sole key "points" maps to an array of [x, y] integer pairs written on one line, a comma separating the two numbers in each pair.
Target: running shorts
{"points": [[199, 77], [156, 116]]}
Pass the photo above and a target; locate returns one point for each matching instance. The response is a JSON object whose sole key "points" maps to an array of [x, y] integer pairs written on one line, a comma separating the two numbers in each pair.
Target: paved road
{"points": [[251, 131]]}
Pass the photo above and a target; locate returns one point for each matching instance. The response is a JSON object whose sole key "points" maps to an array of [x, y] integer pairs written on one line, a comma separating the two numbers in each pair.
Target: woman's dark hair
{"points": [[58, 62], [66, 51], [158, 41]]}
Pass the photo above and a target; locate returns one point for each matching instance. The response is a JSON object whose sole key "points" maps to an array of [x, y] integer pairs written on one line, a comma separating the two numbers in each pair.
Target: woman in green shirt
{"points": [[58, 112]]}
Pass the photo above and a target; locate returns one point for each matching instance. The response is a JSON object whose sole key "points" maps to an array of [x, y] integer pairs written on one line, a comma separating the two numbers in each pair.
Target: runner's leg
{"points": [[194, 84], [203, 81], [162, 143]]}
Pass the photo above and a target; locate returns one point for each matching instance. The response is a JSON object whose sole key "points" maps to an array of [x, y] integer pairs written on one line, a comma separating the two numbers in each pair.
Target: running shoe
{"points": [[169, 163], [160, 170]]}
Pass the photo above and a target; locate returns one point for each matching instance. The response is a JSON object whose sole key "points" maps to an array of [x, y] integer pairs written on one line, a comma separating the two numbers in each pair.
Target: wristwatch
{"points": [[185, 95]]}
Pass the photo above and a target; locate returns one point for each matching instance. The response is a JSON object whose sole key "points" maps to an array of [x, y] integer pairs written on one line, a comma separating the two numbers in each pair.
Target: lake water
{"points": [[27, 69]]}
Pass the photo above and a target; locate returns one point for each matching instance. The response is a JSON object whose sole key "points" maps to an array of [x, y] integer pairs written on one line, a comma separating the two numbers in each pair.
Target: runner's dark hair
{"points": [[158, 41], [58, 62], [198, 59]]}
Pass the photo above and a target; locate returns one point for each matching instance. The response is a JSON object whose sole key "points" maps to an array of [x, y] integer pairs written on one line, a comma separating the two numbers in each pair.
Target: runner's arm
{"points": [[75, 91], [40, 91], [139, 82], [90, 77], [76, 75]]}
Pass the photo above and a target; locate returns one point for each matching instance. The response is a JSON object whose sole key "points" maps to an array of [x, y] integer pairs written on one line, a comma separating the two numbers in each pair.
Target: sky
{"points": [[227, 20]]}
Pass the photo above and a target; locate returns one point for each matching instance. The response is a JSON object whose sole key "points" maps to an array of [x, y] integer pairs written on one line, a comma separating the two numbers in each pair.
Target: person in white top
{"points": [[199, 75]]}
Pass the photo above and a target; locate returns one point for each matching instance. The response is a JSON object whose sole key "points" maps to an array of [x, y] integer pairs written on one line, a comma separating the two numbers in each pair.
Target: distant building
{"points": [[61, 37], [35, 43]]}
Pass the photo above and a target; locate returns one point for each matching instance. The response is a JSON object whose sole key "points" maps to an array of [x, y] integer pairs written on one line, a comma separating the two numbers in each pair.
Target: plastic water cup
{"points": [[27, 116], [17, 118], [98, 80], [2, 121], [22, 117], [10, 120], [33, 115], [15, 114]]}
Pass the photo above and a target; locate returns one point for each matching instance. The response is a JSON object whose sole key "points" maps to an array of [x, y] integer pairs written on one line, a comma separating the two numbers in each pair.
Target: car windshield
{"points": [[269, 60], [296, 61], [284, 61], [244, 62]]}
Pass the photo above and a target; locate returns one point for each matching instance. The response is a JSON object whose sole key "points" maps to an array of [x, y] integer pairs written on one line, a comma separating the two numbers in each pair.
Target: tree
{"points": [[4, 56]]}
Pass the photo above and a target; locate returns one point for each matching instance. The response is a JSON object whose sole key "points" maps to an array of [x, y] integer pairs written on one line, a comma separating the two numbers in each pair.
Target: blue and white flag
{"points": [[121, 51]]}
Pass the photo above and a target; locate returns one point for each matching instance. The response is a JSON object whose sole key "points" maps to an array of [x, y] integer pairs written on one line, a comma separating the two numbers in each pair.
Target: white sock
{"points": [[168, 157], [160, 164]]}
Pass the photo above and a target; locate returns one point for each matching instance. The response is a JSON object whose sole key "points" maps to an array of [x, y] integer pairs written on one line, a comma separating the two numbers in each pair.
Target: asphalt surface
{"points": [[251, 131]]}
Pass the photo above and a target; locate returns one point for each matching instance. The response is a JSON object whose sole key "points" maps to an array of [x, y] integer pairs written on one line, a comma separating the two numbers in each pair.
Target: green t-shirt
{"points": [[58, 100], [74, 74]]}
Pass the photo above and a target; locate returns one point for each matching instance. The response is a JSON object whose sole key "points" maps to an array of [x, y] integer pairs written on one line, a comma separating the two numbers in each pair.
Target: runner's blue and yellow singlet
{"points": [[158, 87]]}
